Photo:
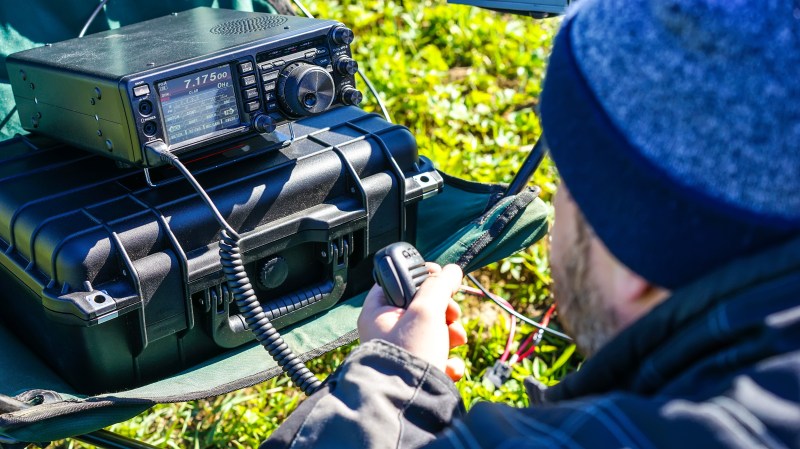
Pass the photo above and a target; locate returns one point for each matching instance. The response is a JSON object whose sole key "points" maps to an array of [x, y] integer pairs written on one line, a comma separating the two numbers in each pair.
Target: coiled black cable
{"points": [[242, 290], [257, 321]]}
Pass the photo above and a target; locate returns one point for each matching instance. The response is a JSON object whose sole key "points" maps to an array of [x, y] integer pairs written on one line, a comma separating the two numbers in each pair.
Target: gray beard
{"points": [[581, 308]]}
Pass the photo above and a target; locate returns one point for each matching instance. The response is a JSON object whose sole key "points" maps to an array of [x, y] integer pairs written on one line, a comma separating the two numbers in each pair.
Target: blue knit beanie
{"points": [[675, 124]]}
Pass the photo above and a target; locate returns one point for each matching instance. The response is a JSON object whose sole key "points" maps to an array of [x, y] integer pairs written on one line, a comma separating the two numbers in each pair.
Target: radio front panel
{"points": [[254, 72]]}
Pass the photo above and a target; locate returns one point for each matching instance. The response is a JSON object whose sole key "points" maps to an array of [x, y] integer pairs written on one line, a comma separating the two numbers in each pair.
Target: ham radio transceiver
{"points": [[183, 81]]}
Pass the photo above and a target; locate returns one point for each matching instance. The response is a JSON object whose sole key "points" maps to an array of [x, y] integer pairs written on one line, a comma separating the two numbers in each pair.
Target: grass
{"points": [[466, 82]]}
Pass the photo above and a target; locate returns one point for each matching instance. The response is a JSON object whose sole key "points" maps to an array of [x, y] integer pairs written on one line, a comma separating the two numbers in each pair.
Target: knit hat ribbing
{"points": [[675, 125]]}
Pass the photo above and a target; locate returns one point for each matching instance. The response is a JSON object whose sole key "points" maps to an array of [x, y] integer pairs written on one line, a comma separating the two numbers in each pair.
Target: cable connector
{"points": [[157, 153], [498, 374]]}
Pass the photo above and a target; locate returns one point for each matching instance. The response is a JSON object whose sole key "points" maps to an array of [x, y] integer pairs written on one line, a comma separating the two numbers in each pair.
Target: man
{"points": [[675, 252]]}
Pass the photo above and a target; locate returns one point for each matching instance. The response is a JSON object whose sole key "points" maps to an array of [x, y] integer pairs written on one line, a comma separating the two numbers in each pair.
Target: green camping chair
{"points": [[469, 223], [452, 226]]}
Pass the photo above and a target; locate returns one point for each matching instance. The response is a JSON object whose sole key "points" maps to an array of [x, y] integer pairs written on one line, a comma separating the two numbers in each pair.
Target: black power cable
{"points": [[242, 290], [515, 313], [92, 17]]}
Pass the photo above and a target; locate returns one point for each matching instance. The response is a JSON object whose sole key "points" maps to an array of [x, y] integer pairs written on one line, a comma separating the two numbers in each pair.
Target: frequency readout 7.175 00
{"points": [[206, 78], [199, 104]]}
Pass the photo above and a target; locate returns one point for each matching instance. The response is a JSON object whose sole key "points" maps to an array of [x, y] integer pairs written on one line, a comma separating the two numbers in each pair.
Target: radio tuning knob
{"points": [[305, 89], [264, 124], [342, 35], [352, 96], [347, 66]]}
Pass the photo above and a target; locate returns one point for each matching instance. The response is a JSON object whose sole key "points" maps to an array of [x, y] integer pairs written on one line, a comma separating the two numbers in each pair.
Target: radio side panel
{"points": [[82, 110]]}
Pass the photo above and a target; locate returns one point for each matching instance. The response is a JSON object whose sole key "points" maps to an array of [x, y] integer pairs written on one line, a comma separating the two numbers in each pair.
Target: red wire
{"points": [[525, 343], [538, 335], [532, 340], [510, 340], [530, 350]]}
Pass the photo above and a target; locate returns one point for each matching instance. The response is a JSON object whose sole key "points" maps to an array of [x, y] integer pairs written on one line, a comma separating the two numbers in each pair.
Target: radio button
{"points": [[311, 54], [322, 51], [249, 94], [324, 62], [248, 80], [252, 106], [267, 66], [272, 107], [141, 91], [269, 86], [279, 62], [270, 76], [246, 67]]}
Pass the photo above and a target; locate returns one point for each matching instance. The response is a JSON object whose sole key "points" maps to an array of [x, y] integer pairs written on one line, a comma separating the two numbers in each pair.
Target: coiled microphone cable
{"points": [[242, 290]]}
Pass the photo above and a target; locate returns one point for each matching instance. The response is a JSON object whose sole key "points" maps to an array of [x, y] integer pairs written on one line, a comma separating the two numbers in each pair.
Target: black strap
{"points": [[520, 202]]}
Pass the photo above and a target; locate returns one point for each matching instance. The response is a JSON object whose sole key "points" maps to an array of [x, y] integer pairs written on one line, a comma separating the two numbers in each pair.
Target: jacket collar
{"points": [[716, 324]]}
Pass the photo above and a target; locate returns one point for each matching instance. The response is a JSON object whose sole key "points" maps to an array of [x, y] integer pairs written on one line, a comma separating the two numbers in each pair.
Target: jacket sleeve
{"points": [[381, 396]]}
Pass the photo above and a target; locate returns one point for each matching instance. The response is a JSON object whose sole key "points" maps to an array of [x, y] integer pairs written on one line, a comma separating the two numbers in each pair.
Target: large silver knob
{"points": [[305, 89]]}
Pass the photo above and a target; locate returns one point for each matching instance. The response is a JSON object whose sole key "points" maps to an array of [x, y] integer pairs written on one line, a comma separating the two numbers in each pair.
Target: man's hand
{"points": [[429, 328]]}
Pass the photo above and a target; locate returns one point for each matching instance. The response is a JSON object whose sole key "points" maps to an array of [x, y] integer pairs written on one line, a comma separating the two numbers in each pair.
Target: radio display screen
{"points": [[199, 104]]}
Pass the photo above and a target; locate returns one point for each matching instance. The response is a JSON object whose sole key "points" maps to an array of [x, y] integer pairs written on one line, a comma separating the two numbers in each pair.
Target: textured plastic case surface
{"points": [[115, 283]]}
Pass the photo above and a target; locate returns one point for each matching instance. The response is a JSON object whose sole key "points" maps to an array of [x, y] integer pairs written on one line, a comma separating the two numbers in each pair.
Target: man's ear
{"points": [[629, 286], [634, 295]]}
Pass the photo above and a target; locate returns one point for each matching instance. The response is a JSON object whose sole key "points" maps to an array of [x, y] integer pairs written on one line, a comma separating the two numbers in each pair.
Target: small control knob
{"points": [[347, 66], [274, 272], [352, 96], [264, 124], [305, 89], [342, 35]]}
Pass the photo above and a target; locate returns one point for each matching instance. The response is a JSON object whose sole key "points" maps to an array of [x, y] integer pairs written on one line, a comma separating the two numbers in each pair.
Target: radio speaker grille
{"points": [[248, 25]]}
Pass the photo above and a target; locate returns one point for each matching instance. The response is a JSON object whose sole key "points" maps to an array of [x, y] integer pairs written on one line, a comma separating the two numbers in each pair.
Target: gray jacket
{"points": [[716, 365]]}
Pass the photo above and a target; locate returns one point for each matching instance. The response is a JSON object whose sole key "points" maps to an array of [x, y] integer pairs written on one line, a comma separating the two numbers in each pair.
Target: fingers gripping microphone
{"points": [[399, 270]]}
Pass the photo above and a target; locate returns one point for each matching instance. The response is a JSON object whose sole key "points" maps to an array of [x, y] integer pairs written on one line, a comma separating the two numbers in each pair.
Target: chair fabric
{"points": [[449, 225]]}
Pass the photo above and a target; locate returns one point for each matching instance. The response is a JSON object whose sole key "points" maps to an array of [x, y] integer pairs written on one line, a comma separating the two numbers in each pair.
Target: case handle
{"points": [[229, 331]]}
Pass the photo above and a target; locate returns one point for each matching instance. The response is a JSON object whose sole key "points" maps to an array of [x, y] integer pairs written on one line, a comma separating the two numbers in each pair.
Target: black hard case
{"points": [[116, 283]]}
